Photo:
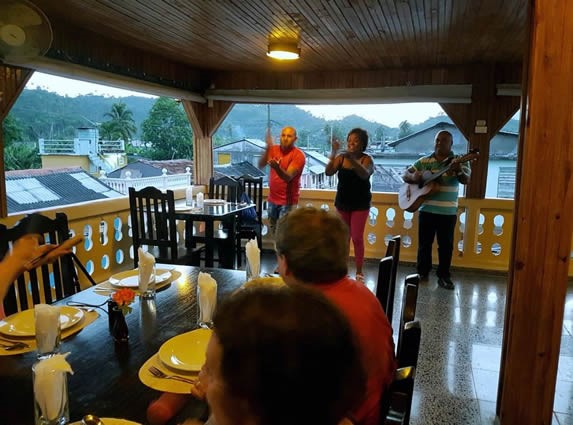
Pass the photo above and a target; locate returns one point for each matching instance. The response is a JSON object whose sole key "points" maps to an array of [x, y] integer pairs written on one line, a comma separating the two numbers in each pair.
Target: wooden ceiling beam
{"points": [[509, 73]]}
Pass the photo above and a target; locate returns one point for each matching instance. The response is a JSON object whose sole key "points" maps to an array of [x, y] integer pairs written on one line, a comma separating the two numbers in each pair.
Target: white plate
{"points": [[214, 202], [130, 279], [23, 323], [186, 351]]}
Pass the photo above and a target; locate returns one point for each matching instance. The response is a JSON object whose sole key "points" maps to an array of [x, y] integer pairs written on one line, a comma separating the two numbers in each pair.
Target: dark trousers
{"points": [[435, 225]]}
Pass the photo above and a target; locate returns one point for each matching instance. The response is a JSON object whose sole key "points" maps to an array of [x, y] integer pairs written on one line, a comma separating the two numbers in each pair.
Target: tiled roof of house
{"points": [[43, 188]]}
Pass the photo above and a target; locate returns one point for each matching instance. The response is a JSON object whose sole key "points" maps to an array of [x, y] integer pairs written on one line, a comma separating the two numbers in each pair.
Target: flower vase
{"points": [[120, 331]]}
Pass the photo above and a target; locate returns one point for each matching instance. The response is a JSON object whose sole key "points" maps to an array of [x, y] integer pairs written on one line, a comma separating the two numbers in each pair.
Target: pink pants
{"points": [[356, 221]]}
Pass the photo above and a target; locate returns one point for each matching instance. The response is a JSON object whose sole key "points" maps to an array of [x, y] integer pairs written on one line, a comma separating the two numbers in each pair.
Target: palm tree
{"points": [[121, 123]]}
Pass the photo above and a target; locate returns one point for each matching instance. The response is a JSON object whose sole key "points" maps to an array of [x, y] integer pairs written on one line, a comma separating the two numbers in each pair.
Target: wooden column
{"points": [[543, 223], [486, 106], [12, 82], [205, 119]]}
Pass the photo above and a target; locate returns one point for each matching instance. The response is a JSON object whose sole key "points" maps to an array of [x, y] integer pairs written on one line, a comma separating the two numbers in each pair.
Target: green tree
{"points": [[379, 133], [120, 124], [405, 129], [17, 154], [168, 130]]}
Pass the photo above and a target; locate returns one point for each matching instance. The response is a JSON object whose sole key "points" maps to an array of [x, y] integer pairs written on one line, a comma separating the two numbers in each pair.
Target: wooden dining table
{"points": [[105, 380]]}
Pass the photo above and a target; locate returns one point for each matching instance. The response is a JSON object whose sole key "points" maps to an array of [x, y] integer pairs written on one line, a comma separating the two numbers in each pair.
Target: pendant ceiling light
{"points": [[283, 50]]}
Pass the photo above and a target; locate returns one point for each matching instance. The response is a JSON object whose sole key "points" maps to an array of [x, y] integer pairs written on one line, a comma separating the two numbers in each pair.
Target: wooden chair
{"points": [[154, 225], [47, 283], [393, 250], [408, 313], [226, 188], [384, 280], [253, 188], [396, 404]]}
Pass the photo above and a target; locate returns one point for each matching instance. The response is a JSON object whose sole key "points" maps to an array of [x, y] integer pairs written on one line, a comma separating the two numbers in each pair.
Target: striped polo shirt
{"points": [[445, 200]]}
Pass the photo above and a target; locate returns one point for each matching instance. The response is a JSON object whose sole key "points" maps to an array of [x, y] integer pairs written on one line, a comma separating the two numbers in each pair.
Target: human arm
{"points": [[335, 161], [411, 175], [363, 168], [27, 253], [462, 172], [294, 169], [264, 159]]}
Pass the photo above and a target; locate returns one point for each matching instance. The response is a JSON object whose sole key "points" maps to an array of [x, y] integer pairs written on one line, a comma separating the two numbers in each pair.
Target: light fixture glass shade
{"points": [[283, 51]]}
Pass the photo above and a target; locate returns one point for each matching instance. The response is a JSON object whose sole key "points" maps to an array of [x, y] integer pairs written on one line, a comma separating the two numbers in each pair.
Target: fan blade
{"points": [[21, 15]]}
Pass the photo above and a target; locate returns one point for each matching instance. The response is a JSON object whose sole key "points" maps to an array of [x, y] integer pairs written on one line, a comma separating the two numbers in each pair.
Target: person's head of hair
{"points": [[287, 355], [362, 136], [314, 245]]}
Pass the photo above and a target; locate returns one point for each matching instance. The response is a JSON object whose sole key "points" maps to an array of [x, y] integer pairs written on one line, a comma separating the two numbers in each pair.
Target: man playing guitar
{"points": [[438, 212]]}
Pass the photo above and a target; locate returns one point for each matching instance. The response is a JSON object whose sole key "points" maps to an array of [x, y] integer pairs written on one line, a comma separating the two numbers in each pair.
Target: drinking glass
{"points": [[48, 331], [207, 301], [147, 288], [51, 405]]}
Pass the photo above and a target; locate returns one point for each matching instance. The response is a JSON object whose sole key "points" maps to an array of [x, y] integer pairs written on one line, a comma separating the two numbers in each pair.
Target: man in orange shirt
{"points": [[286, 163]]}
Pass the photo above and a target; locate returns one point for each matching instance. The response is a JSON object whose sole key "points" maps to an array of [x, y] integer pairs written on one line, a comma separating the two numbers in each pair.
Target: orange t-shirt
{"points": [[374, 336], [281, 192]]}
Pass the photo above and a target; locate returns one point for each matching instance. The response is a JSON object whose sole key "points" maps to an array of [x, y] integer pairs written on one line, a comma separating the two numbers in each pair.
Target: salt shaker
{"points": [[200, 199]]}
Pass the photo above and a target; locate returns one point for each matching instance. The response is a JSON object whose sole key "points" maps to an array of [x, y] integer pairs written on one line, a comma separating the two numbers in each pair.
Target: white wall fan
{"points": [[25, 31]]}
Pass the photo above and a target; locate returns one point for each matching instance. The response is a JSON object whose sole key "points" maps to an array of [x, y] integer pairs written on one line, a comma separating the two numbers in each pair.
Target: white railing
{"points": [[80, 147], [164, 181]]}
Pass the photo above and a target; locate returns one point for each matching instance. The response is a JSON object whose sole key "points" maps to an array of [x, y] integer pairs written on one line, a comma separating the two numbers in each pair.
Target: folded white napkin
{"points": [[253, 258], [47, 327], [207, 288], [146, 265], [49, 385]]}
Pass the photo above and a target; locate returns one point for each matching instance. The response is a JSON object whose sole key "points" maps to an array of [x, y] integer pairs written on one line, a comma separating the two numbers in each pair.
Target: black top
{"points": [[353, 193]]}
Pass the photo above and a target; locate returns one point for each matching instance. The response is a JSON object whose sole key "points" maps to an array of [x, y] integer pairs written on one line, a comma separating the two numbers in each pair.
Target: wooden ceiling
{"points": [[203, 37]]}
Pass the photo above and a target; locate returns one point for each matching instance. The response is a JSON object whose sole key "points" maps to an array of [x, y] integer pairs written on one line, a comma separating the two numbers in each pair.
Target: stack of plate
{"points": [[22, 324], [185, 353]]}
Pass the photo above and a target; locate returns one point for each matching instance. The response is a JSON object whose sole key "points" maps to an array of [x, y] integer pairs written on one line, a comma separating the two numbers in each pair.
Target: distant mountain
{"points": [[44, 114]]}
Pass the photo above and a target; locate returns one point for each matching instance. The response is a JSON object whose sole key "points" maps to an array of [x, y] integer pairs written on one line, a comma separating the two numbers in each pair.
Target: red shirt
{"points": [[374, 336], [281, 192]]}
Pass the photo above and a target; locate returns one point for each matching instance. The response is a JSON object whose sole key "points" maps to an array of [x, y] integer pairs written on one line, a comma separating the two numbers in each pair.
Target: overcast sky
{"points": [[389, 114]]}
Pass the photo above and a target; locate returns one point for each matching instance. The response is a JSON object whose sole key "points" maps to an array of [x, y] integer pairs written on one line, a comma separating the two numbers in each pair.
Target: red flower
{"points": [[123, 298]]}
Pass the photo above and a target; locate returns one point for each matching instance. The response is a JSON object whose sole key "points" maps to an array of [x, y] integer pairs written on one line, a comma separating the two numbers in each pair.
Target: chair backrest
{"points": [[153, 221], [226, 188], [408, 313], [253, 187], [383, 282], [393, 250], [397, 402], [47, 283]]}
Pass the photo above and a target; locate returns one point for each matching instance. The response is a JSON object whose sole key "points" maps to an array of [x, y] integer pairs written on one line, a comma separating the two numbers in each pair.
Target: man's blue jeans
{"points": [[275, 212]]}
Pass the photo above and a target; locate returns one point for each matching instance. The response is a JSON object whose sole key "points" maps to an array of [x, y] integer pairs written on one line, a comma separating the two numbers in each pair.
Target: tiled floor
{"points": [[459, 361]]}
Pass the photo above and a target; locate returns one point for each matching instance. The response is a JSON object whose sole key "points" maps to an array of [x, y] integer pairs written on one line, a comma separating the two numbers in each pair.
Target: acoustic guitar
{"points": [[412, 195]]}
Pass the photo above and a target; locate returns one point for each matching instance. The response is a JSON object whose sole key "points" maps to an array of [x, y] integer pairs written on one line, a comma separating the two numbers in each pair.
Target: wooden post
{"points": [[486, 106], [205, 119], [543, 223], [12, 82]]}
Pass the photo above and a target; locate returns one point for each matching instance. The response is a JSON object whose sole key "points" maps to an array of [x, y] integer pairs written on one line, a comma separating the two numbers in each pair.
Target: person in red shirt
{"points": [[286, 163], [312, 249]]}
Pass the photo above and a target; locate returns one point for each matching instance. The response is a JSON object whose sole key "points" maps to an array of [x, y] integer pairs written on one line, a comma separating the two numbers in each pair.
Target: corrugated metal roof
{"points": [[36, 189]]}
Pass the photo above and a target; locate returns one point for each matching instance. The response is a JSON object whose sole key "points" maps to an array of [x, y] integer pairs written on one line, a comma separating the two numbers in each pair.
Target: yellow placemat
{"points": [[163, 384], [106, 289], [89, 317]]}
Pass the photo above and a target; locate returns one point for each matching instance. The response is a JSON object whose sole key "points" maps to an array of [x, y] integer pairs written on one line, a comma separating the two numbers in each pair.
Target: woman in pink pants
{"points": [[353, 195]]}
